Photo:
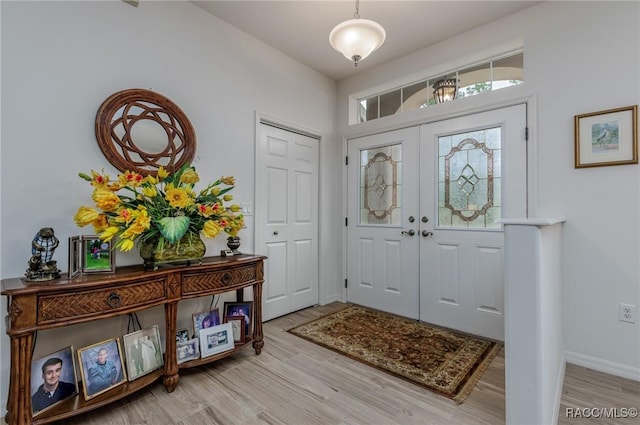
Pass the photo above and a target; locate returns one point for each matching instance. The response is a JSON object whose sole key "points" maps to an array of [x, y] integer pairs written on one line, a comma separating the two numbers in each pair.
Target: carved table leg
{"points": [[19, 400], [258, 337], [171, 376]]}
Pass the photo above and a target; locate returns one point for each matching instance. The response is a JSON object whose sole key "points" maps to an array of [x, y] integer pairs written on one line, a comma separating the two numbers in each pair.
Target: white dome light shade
{"points": [[357, 38]]}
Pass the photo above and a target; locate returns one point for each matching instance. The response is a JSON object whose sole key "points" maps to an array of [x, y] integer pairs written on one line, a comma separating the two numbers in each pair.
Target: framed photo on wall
{"points": [[97, 255], [101, 367], [53, 379], [606, 137]]}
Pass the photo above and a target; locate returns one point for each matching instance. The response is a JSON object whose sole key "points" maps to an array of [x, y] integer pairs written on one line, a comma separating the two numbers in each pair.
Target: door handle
{"points": [[426, 234], [275, 233], [409, 233]]}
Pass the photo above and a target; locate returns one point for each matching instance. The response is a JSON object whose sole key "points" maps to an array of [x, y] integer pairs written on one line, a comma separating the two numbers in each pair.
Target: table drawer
{"points": [[76, 305], [217, 280]]}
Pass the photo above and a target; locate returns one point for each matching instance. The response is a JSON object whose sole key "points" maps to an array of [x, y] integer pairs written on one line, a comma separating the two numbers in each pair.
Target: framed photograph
{"points": [[143, 352], [182, 336], [216, 339], [75, 262], [607, 137], [188, 350], [97, 256], [237, 326], [53, 379], [101, 367], [240, 309], [205, 319]]}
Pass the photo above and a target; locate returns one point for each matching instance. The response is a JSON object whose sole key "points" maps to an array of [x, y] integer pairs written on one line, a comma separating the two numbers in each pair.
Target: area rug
{"points": [[443, 361]]}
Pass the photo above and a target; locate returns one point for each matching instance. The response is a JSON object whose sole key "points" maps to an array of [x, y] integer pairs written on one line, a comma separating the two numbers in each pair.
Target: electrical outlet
{"points": [[627, 313]]}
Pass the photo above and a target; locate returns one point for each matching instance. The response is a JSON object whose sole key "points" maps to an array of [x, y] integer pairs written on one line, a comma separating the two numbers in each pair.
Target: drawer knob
{"points": [[226, 278], [114, 300]]}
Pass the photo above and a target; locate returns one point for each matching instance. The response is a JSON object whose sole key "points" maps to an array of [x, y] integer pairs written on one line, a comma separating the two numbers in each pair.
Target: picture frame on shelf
{"points": [[143, 351], [75, 260], [97, 256], [241, 308], [53, 380], [216, 339], [101, 367], [182, 335], [189, 350], [607, 137], [238, 328], [205, 319]]}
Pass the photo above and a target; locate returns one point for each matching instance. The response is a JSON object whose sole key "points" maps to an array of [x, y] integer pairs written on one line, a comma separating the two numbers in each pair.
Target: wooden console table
{"points": [[34, 306]]}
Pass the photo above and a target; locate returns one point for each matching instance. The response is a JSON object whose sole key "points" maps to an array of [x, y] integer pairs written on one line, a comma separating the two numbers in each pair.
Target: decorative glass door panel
{"points": [[469, 179], [382, 229], [380, 185]]}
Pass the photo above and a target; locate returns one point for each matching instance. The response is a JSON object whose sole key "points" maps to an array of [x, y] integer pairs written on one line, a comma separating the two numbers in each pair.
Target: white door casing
{"points": [[461, 268], [286, 218], [382, 255]]}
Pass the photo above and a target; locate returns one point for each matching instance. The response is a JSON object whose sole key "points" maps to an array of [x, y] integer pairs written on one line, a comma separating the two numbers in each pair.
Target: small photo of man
{"points": [[53, 379]]}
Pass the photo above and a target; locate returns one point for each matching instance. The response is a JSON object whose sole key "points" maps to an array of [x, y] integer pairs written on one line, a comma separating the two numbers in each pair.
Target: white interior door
{"points": [[382, 253], [286, 215], [473, 172]]}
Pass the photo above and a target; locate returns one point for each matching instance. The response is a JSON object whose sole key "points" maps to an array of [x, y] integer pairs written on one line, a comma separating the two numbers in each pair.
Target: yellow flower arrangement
{"points": [[162, 207]]}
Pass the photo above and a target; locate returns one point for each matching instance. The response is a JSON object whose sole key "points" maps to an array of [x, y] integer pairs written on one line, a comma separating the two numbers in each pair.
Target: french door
{"points": [[474, 174], [382, 238], [444, 251]]}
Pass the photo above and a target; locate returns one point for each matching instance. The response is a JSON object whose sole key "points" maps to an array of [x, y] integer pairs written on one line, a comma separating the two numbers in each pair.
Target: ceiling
{"points": [[300, 29]]}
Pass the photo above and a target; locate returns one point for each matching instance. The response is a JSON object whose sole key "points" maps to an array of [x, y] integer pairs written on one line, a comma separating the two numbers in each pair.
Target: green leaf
{"points": [[174, 228]]}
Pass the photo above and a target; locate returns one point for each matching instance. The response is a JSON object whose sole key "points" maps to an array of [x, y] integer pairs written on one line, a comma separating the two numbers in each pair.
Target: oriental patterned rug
{"points": [[443, 361]]}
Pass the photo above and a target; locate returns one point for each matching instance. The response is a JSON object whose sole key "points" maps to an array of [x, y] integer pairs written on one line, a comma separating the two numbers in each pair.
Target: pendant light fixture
{"points": [[357, 38]]}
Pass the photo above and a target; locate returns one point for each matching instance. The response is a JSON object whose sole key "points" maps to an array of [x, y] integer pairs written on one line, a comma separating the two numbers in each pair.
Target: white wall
{"points": [[61, 60], [579, 57]]}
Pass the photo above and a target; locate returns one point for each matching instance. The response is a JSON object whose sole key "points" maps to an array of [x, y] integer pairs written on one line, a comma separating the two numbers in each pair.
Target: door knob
{"points": [[275, 233], [426, 234], [409, 233]]}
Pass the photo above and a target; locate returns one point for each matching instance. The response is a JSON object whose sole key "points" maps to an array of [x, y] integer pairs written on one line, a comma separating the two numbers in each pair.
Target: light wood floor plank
{"points": [[295, 382]]}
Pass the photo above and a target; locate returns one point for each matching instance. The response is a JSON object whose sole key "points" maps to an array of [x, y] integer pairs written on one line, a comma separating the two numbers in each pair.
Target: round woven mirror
{"points": [[140, 130]]}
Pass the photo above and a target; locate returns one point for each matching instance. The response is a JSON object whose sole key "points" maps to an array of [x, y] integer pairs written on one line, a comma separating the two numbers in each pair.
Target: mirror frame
{"points": [[116, 110]]}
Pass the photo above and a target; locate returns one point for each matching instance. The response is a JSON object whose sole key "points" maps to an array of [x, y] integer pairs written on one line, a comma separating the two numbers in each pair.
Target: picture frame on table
{"points": [[607, 137], [205, 319], [97, 255], [238, 328], [75, 260], [101, 367], [182, 335], [55, 370], [188, 350], [143, 352], [216, 339], [240, 308]]}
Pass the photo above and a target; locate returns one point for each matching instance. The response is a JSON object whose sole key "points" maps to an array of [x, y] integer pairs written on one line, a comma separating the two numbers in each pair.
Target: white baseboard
{"points": [[601, 365], [331, 299]]}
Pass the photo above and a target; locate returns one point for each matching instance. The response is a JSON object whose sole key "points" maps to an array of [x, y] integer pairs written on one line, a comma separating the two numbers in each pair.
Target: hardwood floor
{"points": [[295, 382]]}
